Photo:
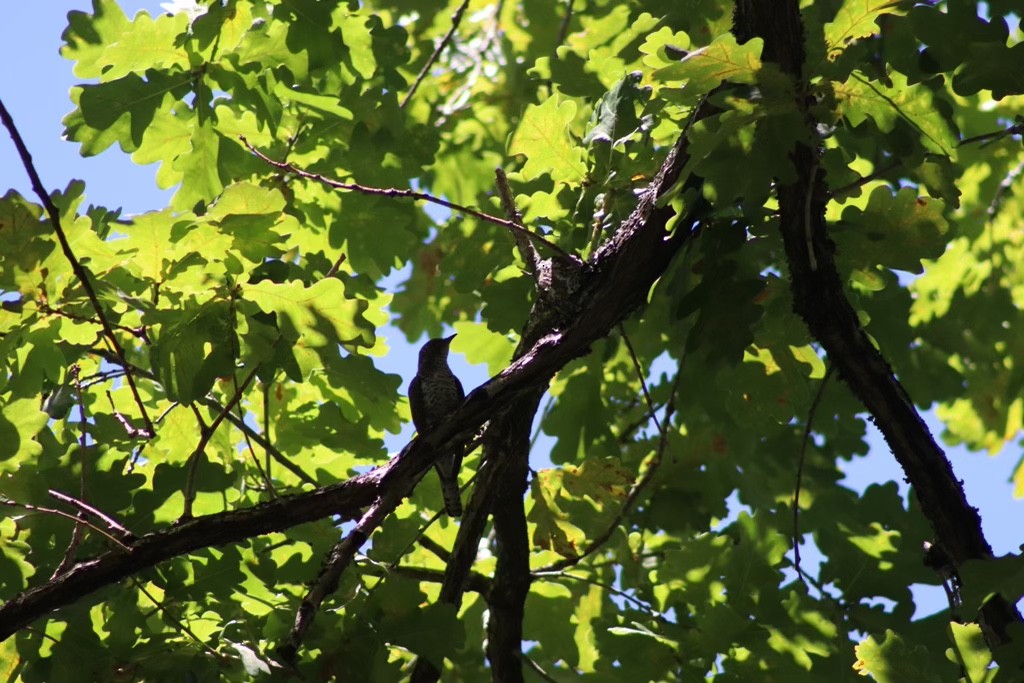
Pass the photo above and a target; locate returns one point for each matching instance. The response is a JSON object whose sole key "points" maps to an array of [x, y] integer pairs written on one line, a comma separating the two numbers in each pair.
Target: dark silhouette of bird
{"points": [[434, 393]]}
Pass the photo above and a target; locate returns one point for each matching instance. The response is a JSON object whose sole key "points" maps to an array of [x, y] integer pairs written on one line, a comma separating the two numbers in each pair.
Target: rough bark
{"points": [[820, 300]]}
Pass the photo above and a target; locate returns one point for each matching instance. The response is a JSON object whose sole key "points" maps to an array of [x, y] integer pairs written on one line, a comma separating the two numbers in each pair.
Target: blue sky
{"points": [[34, 85]]}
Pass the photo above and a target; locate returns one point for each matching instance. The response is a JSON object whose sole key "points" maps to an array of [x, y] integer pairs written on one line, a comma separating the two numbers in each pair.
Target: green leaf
{"points": [[615, 116], [20, 421], [433, 631], [543, 137], [856, 19], [318, 318], [971, 652], [983, 578], [895, 230], [886, 103], [191, 353], [893, 661], [705, 68]]}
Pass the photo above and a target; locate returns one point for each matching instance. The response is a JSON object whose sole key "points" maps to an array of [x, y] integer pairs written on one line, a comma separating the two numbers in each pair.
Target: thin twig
{"points": [[131, 430], [537, 670], [411, 194], [209, 402], [997, 199], [640, 374], [563, 29], [180, 625], [78, 533], [76, 266], [85, 508], [456, 19], [66, 515], [236, 353], [265, 443], [334, 268], [508, 204], [204, 439], [476, 581], [640, 604], [860, 182], [800, 473], [993, 210], [137, 332], [987, 138]]}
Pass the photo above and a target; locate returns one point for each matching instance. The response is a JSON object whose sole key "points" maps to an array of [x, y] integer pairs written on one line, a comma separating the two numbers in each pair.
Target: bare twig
{"points": [[860, 182], [79, 531], [800, 471], [204, 439], [67, 515], [456, 20], [475, 582], [993, 210], [563, 28], [988, 138], [632, 599], [411, 194], [76, 266], [535, 667], [508, 204], [334, 268], [177, 623], [264, 443], [137, 332], [640, 374], [85, 508], [130, 429]]}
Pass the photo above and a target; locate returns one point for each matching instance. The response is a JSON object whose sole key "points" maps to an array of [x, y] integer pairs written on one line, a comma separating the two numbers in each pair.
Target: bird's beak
{"points": [[448, 340]]}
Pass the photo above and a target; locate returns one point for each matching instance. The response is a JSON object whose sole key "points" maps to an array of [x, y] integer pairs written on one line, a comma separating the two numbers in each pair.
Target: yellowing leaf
{"points": [[855, 19]]}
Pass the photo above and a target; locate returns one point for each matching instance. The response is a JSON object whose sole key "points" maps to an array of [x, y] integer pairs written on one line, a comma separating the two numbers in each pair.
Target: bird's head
{"points": [[435, 351]]}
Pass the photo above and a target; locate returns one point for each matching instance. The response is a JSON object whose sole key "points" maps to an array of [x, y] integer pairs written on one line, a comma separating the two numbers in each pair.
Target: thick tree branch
{"points": [[646, 244], [820, 300], [507, 599]]}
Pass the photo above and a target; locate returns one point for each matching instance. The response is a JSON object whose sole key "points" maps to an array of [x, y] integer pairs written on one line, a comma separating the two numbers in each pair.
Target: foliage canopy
{"points": [[742, 225]]}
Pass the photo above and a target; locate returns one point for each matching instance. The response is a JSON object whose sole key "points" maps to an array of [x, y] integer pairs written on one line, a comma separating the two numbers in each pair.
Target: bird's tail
{"points": [[450, 492]]}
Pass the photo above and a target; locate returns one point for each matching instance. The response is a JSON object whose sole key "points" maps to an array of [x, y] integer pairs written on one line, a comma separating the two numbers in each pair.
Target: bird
{"points": [[434, 393]]}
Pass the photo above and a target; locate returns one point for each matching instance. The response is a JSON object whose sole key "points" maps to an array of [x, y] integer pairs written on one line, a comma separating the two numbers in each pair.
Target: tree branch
{"points": [[412, 194], [456, 20], [507, 599], [340, 557], [76, 266], [820, 300]]}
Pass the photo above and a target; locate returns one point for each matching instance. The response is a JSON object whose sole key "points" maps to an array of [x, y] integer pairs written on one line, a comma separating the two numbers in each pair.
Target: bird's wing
{"points": [[415, 401]]}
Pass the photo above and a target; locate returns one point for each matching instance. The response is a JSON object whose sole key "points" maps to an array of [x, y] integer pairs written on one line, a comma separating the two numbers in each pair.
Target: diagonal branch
{"points": [[76, 266], [456, 20], [340, 558], [819, 298]]}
